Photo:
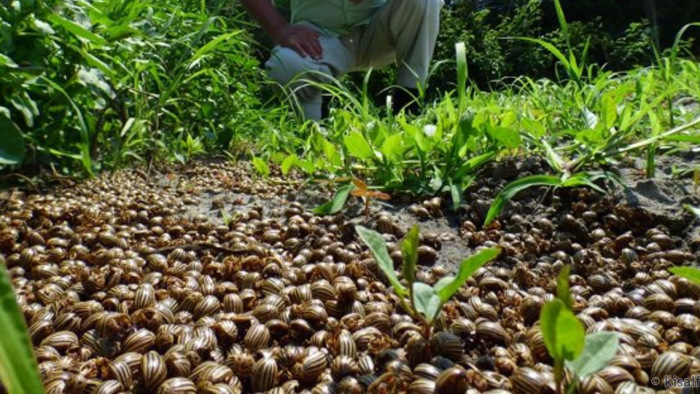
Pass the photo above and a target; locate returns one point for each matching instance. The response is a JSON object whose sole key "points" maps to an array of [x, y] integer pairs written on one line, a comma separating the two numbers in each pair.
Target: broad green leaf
{"points": [[12, 148], [599, 349], [608, 110], [416, 134], [330, 152], [18, 366], [533, 127], [75, 29], [563, 290], [548, 325], [288, 163], [508, 137], [515, 187], [409, 250], [308, 166], [466, 268], [261, 167], [376, 244], [357, 146], [337, 202], [392, 147], [426, 302], [690, 273], [444, 281], [563, 334]]}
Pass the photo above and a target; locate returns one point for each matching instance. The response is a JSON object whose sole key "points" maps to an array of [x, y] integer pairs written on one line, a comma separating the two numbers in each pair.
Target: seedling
{"points": [[422, 301], [361, 190], [357, 188], [566, 339]]}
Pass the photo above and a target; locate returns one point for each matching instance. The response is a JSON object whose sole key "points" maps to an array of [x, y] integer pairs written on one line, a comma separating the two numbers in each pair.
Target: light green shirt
{"points": [[337, 16]]}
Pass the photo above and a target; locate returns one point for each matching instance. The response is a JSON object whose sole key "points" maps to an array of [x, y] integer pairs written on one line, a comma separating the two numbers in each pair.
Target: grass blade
{"points": [[337, 203], [462, 74], [18, 366], [466, 269], [376, 244], [409, 249], [516, 187]]}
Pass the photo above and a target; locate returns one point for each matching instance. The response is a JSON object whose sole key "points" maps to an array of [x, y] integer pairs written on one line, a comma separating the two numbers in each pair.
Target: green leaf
{"points": [[261, 167], [288, 163], [563, 290], [75, 29], [392, 147], [466, 268], [548, 325], [563, 334], [337, 202], [516, 187], [376, 244], [462, 73], [18, 366], [456, 193], [562, 20], [409, 250], [427, 303], [24, 104], [552, 49], [358, 146], [508, 137], [211, 46], [690, 273], [599, 349], [12, 148], [6, 61]]}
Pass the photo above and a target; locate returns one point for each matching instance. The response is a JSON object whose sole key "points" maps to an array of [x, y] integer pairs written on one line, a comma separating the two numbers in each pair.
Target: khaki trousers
{"points": [[402, 32]]}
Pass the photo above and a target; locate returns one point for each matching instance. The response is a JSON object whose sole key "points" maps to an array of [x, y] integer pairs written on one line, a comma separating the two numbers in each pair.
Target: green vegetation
{"points": [[420, 300], [18, 366], [566, 339], [109, 83]]}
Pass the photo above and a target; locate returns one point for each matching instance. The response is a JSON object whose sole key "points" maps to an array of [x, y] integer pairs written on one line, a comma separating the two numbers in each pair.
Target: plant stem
{"points": [[558, 374]]}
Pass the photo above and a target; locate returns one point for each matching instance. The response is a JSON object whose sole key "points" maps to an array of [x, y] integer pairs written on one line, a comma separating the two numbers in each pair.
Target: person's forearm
{"points": [[267, 15]]}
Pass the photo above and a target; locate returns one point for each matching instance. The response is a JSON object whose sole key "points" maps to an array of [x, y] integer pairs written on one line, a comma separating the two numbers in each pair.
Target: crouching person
{"points": [[328, 38]]}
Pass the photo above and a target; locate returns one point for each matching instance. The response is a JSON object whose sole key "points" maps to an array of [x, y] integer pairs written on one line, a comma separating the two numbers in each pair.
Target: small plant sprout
{"points": [[362, 190], [566, 339], [420, 300]]}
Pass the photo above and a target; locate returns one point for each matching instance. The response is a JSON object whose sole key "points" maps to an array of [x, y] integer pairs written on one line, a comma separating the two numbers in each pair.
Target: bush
{"points": [[102, 83]]}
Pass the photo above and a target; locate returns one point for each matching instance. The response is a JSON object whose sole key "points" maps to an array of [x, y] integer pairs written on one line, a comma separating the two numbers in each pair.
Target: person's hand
{"points": [[302, 39]]}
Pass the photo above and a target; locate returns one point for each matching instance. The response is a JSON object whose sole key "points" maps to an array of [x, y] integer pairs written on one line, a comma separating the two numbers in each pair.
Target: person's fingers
{"points": [[300, 49], [317, 48], [311, 50]]}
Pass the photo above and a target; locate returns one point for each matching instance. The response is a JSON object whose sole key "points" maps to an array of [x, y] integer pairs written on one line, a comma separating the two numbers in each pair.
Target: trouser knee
{"points": [[285, 64]]}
